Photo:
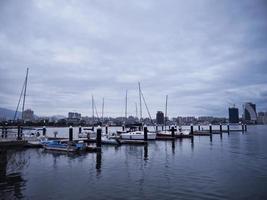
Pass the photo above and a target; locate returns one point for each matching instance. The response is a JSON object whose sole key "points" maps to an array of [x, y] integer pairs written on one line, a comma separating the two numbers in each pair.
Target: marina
{"points": [[168, 168]]}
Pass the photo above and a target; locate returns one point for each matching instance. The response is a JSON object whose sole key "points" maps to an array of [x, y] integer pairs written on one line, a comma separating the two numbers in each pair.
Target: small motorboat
{"points": [[137, 135], [58, 145], [106, 139]]}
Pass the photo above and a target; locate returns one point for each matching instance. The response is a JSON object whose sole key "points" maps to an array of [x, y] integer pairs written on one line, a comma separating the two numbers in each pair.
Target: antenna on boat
{"points": [[140, 100], [23, 92]]}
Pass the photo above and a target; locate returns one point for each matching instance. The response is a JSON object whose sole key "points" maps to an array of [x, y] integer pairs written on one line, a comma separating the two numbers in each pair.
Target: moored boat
{"points": [[58, 145], [137, 135]]}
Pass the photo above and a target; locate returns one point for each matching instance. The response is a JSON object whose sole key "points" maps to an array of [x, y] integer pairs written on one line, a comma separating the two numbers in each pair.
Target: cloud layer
{"points": [[206, 55]]}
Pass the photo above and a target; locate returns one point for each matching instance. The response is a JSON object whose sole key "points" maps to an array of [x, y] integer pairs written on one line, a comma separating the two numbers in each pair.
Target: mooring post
{"points": [[242, 128], [98, 137], [246, 128], [80, 129], [123, 127], [106, 128], [228, 129], [172, 131], [198, 127], [44, 131], [162, 128], [156, 128], [70, 133], [191, 129], [145, 133], [220, 128]]}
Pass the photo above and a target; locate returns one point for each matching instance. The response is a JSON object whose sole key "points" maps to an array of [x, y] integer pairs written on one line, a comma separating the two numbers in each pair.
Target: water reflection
{"points": [[11, 181], [145, 152], [98, 162]]}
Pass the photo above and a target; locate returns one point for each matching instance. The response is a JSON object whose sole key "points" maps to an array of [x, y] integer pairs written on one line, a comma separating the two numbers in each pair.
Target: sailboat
{"points": [[178, 131], [137, 135]]}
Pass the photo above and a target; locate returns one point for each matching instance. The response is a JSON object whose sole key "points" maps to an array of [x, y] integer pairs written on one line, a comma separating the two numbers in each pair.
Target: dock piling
{"points": [[246, 128], [228, 129], [198, 127], [242, 128], [18, 134], [70, 133], [98, 137], [191, 129], [145, 133], [80, 129], [172, 131], [44, 131], [106, 128]]}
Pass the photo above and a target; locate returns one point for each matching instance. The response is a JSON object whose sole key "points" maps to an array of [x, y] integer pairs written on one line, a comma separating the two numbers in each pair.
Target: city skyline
{"points": [[204, 56]]}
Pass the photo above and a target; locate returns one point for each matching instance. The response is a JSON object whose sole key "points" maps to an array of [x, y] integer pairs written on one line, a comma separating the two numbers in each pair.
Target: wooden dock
{"points": [[12, 143]]}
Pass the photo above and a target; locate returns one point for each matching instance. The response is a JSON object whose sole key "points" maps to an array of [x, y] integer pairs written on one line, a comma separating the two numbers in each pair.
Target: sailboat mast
{"points": [[140, 101], [103, 104], [136, 111], [25, 90], [126, 99], [166, 108], [93, 109]]}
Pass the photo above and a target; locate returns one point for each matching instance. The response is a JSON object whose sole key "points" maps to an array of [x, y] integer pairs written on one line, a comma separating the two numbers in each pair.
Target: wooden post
{"points": [[172, 131], [98, 137], [80, 129], [198, 127], [228, 129], [70, 133], [162, 128], [220, 128], [123, 127], [191, 129], [246, 128], [44, 131], [145, 133], [242, 128], [156, 128]]}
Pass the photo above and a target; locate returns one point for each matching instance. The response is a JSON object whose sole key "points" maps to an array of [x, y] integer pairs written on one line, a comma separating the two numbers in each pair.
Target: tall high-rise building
{"points": [[233, 115], [250, 114], [160, 117]]}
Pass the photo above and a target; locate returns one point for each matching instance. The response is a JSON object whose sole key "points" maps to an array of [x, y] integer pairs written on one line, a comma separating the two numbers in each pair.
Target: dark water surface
{"points": [[231, 167]]}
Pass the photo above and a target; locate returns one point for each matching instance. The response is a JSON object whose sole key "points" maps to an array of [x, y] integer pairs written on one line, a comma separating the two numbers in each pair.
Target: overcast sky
{"points": [[206, 55]]}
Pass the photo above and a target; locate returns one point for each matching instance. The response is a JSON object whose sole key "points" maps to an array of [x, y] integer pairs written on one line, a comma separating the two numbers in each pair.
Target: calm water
{"points": [[231, 167]]}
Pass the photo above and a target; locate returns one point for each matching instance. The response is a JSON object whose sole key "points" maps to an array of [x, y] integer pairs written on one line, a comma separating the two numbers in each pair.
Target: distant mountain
{"points": [[8, 114]]}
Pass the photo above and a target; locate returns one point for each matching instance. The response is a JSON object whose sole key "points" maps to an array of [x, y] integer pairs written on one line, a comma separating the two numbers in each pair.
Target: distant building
{"points": [[262, 118], [250, 114], [28, 115], [73, 115], [160, 117], [233, 115]]}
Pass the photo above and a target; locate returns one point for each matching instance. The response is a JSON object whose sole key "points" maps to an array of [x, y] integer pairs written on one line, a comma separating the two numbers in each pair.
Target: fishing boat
{"points": [[137, 135], [57, 145]]}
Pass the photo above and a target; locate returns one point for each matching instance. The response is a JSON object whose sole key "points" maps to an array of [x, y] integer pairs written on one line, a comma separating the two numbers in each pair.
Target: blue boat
{"points": [[58, 145]]}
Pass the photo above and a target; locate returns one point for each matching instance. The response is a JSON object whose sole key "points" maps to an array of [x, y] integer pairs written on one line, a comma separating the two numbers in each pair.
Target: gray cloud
{"points": [[206, 55]]}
